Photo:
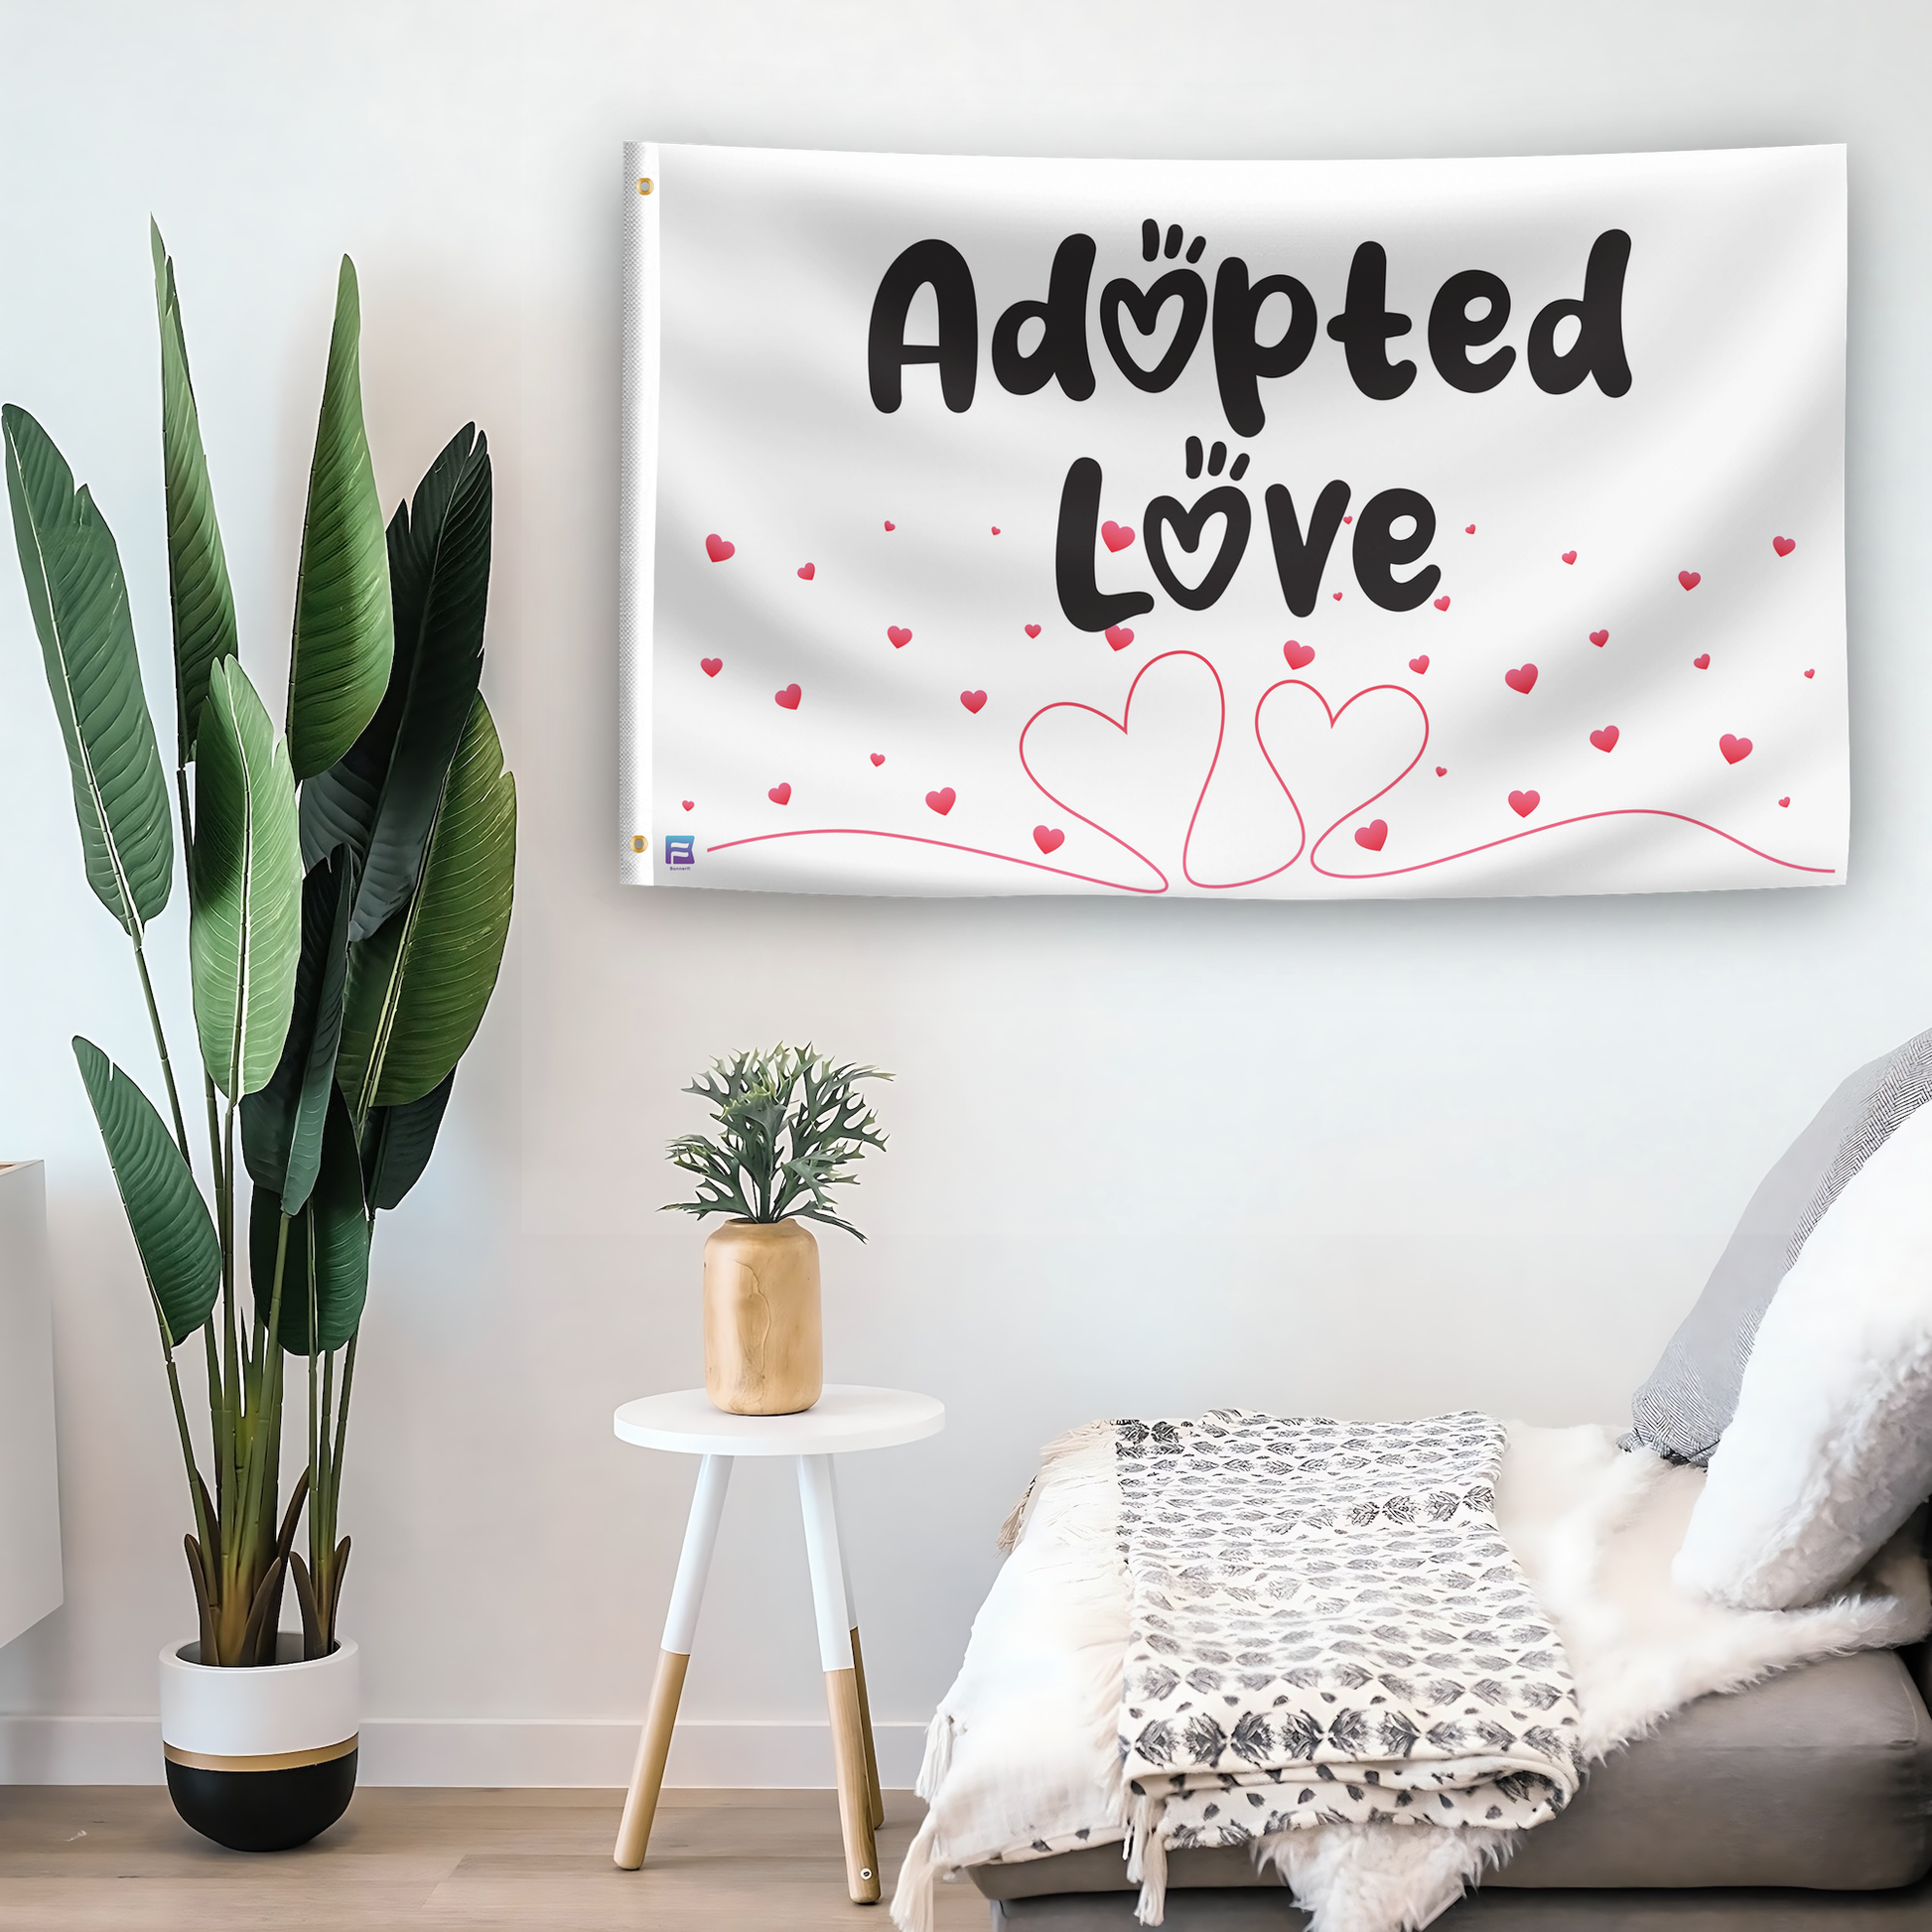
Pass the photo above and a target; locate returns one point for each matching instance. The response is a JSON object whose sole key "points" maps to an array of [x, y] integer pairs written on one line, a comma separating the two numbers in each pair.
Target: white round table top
{"points": [[846, 1416]]}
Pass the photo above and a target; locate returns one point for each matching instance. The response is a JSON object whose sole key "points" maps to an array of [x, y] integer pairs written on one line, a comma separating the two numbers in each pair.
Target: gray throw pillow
{"points": [[1685, 1407]]}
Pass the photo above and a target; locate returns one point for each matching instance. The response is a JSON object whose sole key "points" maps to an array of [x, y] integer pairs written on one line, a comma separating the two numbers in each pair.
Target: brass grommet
{"points": [[643, 184], [639, 842]]}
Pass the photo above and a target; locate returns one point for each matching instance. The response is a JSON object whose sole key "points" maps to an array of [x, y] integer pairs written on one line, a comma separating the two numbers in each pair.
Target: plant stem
{"points": [[161, 1047]]}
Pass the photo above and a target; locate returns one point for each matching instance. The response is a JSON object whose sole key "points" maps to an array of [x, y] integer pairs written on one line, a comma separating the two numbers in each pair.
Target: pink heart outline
{"points": [[1334, 717]]}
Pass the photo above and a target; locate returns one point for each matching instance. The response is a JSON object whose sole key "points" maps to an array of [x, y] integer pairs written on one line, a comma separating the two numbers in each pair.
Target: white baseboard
{"points": [[481, 1751]]}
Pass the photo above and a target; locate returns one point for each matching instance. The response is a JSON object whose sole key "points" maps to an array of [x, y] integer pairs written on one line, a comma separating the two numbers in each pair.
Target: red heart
{"points": [[1784, 801], [1050, 838], [1569, 556], [1033, 630], [1419, 665], [1119, 636], [688, 803], [1442, 771], [1811, 673], [1606, 739], [891, 525], [717, 549], [1337, 596], [974, 701], [1600, 638], [1522, 679], [1784, 545], [996, 529], [1299, 657], [808, 571], [941, 800], [1348, 519], [1523, 803], [900, 635], [1735, 750], [779, 794], [879, 757], [1689, 579], [1372, 837], [789, 697], [711, 666], [1116, 537], [1442, 604], [1702, 663], [1469, 529]]}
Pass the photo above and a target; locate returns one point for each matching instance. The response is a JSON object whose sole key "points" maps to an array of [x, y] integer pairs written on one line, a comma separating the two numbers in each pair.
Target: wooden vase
{"points": [[764, 1343]]}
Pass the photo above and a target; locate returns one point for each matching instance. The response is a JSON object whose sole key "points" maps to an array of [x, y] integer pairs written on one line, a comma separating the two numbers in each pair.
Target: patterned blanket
{"points": [[1326, 1627]]}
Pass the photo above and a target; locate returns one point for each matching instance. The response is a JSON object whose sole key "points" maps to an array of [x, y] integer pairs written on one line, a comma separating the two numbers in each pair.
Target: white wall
{"points": [[1368, 1159]]}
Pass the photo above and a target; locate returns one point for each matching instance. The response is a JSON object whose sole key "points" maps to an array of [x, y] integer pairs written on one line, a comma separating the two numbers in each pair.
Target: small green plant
{"points": [[791, 1126]]}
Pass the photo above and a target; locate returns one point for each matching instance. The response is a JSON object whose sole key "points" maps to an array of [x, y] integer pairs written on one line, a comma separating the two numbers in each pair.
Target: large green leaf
{"points": [[244, 935], [381, 797], [417, 990], [397, 1143], [344, 635], [179, 1253], [197, 571], [78, 598], [281, 1126], [327, 1260]]}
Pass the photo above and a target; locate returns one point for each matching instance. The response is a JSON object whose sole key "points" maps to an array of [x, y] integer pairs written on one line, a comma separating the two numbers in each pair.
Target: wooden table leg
{"points": [[878, 1797], [820, 1511], [680, 1625]]}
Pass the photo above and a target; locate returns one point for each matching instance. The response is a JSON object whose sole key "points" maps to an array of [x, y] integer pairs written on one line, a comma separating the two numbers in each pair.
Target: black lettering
{"points": [[1189, 525], [1453, 331], [1182, 283], [1063, 347], [957, 351], [1238, 359], [1299, 563], [1378, 549], [1080, 597], [1599, 348], [1364, 327]]}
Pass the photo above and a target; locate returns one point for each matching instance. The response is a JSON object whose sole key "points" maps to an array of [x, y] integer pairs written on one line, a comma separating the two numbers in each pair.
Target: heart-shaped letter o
{"points": [[1188, 526], [1146, 311]]}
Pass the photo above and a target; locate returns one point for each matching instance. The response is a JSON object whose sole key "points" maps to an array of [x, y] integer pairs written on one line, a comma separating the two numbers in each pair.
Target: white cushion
{"points": [[1830, 1447]]}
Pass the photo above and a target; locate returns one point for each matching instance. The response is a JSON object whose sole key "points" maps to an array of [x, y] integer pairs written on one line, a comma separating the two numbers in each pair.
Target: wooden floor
{"points": [[110, 1858]]}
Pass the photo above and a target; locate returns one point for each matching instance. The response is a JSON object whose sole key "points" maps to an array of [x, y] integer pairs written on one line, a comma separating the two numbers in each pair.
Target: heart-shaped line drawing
{"points": [[808, 571], [711, 666], [1119, 636], [1702, 661], [781, 794], [942, 801], [1606, 739], [1050, 838], [1116, 537], [879, 757], [1335, 714], [1375, 836], [1689, 579], [717, 549], [1442, 603], [1569, 556], [974, 701], [789, 697], [1299, 657], [1735, 750], [1600, 638], [1033, 630], [1419, 665], [1523, 803], [1784, 545], [1522, 678], [900, 635]]}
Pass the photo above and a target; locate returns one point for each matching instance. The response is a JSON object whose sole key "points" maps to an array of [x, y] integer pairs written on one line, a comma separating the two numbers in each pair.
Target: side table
{"points": [[843, 1419]]}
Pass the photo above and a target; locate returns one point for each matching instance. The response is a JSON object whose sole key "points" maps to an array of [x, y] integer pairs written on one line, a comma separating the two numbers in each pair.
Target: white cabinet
{"points": [[30, 1497]]}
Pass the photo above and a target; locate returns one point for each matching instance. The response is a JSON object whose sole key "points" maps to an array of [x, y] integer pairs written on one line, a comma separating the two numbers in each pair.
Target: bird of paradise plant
{"points": [[349, 885]]}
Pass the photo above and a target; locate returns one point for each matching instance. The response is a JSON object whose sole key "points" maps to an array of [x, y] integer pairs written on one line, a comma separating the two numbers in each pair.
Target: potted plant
{"points": [[791, 1127], [349, 885]]}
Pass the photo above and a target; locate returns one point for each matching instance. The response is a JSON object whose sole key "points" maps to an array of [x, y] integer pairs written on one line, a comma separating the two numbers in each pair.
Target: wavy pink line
{"points": [[948, 845]]}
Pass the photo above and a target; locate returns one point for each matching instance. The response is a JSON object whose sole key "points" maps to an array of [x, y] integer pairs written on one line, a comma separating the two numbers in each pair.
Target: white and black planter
{"points": [[261, 1760]]}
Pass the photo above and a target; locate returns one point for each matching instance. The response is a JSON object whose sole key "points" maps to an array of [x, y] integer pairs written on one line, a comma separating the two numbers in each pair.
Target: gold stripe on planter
{"points": [[265, 1761]]}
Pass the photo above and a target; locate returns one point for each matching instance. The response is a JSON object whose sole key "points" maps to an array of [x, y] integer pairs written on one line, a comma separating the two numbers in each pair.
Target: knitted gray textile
{"points": [[1686, 1404]]}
